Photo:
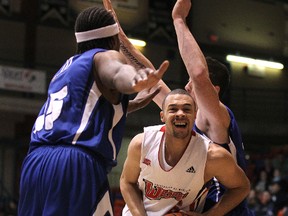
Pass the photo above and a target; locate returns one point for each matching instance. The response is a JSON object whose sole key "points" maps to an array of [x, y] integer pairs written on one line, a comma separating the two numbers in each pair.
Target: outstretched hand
{"points": [[147, 78], [142, 99], [181, 9], [135, 58]]}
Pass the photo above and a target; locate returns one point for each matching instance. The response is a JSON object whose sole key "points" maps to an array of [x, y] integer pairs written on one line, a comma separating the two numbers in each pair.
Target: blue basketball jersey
{"points": [[76, 113], [236, 137], [74, 143], [216, 190]]}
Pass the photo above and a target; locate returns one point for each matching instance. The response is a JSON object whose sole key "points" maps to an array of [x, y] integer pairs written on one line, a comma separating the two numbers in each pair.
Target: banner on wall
{"points": [[23, 80]]}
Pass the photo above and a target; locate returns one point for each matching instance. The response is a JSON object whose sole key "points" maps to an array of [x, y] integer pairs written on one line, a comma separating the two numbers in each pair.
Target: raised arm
{"points": [[129, 178], [138, 60], [212, 113]]}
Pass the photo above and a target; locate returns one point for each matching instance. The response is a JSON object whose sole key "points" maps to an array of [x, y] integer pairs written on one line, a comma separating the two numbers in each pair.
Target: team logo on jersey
{"points": [[157, 192], [191, 170], [147, 162]]}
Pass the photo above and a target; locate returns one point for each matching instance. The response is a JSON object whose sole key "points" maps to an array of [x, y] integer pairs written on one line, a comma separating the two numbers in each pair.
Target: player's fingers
{"points": [[162, 69], [143, 74]]}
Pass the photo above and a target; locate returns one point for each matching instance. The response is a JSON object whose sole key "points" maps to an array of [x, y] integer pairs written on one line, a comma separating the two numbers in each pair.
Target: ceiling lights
{"points": [[256, 62], [137, 42]]}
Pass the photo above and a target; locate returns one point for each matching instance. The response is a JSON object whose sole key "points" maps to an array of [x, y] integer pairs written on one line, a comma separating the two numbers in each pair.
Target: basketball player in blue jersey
{"points": [[209, 80], [78, 132]]}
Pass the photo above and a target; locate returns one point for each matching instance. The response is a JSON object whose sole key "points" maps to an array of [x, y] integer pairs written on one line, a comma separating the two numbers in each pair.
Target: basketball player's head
{"points": [[95, 27], [218, 74], [178, 113]]}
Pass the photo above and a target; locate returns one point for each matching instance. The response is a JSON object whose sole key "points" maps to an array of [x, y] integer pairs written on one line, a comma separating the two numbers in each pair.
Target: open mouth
{"points": [[180, 124]]}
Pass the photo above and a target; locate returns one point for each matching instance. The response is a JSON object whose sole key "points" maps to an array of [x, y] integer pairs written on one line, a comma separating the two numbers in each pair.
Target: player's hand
{"points": [[181, 9], [142, 99], [147, 78]]}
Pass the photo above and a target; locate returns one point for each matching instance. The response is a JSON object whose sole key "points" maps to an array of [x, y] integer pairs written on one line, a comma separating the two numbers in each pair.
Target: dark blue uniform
{"points": [[216, 190], [74, 144]]}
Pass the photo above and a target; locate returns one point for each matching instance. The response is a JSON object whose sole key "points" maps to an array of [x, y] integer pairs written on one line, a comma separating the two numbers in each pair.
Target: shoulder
{"points": [[109, 55], [137, 138], [155, 128], [218, 158], [135, 147], [217, 152], [136, 142]]}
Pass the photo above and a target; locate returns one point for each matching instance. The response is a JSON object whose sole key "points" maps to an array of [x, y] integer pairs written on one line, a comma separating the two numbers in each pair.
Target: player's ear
{"points": [[217, 88], [162, 116]]}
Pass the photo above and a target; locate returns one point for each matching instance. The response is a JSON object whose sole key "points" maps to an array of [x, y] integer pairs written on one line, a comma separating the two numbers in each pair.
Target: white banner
{"points": [[23, 80]]}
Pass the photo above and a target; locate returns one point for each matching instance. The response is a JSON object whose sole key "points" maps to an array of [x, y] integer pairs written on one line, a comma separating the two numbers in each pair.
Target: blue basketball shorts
{"points": [[63, 180]]}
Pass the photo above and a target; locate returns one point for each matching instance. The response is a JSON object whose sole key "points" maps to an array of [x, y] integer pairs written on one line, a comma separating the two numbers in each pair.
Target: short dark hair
{"points": [[176, 91], [93, 18], [219, 74]]}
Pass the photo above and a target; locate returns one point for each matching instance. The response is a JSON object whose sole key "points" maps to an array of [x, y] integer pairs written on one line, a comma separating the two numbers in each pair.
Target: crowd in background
{"points": [[268, 174]]}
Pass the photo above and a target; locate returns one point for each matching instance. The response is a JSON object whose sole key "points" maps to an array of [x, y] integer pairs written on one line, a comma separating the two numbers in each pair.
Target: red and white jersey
{"points": [[167, 188]]}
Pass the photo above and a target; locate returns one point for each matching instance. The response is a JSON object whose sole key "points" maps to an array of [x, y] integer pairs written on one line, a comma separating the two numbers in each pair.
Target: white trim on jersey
{"points": [[91, 101], [104, 206], [117, 116]]}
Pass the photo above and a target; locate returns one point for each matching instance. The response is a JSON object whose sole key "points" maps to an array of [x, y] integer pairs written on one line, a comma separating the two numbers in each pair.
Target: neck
{"points": [[174, 149]]}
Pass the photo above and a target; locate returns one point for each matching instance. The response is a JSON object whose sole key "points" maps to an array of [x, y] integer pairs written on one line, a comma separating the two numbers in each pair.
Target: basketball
{"points": [[174, 214]]}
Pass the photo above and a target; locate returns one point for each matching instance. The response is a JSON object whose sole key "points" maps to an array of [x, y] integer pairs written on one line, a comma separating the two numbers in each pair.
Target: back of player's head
{"points": [[219, 74], [91, 19]]}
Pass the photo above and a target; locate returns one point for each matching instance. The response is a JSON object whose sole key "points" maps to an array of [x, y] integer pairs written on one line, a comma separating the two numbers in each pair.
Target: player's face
{"points": [[179, 115]]}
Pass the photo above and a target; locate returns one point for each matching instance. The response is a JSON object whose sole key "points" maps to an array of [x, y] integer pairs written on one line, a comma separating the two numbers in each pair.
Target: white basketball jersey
{"points": [[180, 187]]}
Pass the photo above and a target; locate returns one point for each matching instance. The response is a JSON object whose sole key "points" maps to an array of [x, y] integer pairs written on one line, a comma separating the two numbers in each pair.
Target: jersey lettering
{"points": [[52, 110], [64, 67], [154, 192]]}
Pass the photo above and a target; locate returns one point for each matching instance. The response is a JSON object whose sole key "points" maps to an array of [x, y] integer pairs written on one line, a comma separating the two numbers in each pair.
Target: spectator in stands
{"points": [[262, 183], [264, 205], [252, 199], [279, 195]]}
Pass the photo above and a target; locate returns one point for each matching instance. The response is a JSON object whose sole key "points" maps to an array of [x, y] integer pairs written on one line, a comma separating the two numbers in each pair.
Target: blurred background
{"points": [[37, 37]]}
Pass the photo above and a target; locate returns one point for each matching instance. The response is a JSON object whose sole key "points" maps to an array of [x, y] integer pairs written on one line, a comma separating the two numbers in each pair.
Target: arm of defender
{"points": [[210, 107], [136, 58], [113, 72], [142, 99]]}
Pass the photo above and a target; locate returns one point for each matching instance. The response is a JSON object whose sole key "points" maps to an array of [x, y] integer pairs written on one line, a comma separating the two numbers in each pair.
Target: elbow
{"points": [[248, 187], [199, 74]]}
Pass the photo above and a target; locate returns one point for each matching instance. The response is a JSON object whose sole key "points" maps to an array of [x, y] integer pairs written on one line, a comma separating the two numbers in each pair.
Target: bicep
{"points": [[226, 170], [106, 66]]}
